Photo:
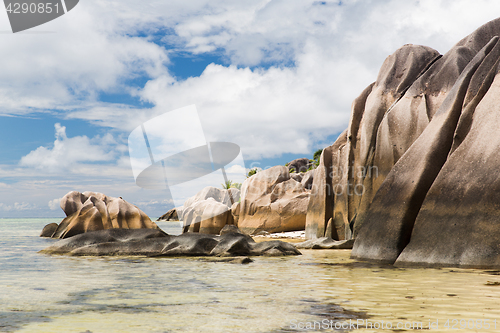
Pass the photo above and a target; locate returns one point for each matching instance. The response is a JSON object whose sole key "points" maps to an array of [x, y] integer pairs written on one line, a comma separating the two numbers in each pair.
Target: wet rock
{"points": [[230, 228], [49, 230], [154, 243], [325, 243]]}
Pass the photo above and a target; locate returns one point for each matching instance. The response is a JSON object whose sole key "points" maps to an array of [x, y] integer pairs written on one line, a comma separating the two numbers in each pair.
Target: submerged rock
{"points": [[156, 243], [325, 243]]}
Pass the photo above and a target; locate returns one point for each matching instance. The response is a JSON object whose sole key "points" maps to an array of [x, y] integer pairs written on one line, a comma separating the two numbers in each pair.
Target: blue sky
{"points": [[275, 77]]}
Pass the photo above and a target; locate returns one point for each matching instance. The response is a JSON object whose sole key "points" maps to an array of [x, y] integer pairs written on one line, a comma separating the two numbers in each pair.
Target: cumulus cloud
{"points": [[17, 206], [288, 83], [67, 152], [54, 204], [287, 75], [86, 53]]}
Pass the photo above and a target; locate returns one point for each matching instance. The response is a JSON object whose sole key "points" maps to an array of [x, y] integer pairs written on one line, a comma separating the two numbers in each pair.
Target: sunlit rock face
{"points": [[419, 164], [209, 210], [272, 201], [91, 211]]}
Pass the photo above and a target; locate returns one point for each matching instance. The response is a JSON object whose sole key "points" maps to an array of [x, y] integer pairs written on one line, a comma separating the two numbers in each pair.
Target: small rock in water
{"points": [[326, 243]]}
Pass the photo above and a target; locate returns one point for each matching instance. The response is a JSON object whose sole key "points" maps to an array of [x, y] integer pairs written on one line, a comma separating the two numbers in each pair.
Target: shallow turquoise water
{"points": [[40, 293]]}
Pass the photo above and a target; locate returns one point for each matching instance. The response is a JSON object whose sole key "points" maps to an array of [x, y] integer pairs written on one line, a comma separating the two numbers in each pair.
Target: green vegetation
{"points": [[236, 185], [227, 185], [316, 156], [252, 172]]}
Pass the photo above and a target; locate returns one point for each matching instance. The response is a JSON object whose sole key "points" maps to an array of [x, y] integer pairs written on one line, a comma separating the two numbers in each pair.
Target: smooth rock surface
{"points": [[299, 165], [397, 215], [156, 243], [272, 201], [49, 230], [458, 222], [91, 211], [414, 179], [171, 215], [325, 243], [209, 210]]}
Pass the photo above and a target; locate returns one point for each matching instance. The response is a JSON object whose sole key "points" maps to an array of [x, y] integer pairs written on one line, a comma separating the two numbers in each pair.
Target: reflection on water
{"points": [[41, 293]]}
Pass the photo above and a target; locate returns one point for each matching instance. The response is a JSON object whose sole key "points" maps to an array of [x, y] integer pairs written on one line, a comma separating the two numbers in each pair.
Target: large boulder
{"points": [[300, 165], [156, 243], [272, 201], [401, 119], [458, 221], [209, 210], [418, 165], [392, 214], [307, 179], [91, 211], [352, 169], [425, 207]]}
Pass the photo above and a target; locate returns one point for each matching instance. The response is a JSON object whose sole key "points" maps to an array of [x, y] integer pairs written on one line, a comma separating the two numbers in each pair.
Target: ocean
{"points": [[321, 290]]}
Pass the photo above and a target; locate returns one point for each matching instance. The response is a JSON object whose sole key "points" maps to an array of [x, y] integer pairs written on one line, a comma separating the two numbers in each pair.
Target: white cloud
{"points": [[236, 169], [322, 57], [87, 52], [69, 151], [17, 206], [54, 204]]}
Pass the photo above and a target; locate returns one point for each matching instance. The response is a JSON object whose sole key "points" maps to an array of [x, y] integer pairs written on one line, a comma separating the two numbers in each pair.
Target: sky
{"points": [[276, 77]]}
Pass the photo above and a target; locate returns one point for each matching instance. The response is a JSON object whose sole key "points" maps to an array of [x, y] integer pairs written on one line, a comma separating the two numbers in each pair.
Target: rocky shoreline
{"points": [[412, 181]]}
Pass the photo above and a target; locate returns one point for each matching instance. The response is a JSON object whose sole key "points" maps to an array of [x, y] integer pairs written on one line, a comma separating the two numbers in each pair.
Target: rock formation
{"points": [[325, 243], [171, 215], [91, 211], [272, 201], [209, 210], [49, 230], [299, 165], [156, 243], [414, 178]]}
